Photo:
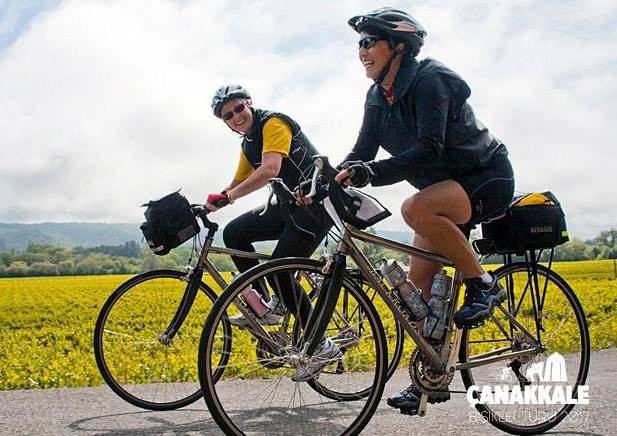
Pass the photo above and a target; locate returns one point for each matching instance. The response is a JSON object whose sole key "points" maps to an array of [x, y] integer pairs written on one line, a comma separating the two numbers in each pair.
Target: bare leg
{"points": [[434, 213], [421, 271]]}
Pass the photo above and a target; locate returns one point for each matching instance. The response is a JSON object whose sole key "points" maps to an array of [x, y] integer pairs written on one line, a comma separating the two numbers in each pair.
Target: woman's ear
{"points": [[249, 102], [400, 48]]}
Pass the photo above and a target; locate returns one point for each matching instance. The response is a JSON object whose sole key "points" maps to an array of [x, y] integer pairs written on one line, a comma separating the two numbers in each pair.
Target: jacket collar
{"points": [[403, 81]]}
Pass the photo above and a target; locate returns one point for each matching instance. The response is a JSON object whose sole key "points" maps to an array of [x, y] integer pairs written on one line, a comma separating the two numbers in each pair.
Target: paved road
{"points": [[97, 411]]}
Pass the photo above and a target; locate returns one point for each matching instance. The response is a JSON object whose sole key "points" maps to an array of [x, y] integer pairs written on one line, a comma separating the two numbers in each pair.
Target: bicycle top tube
{"points": [[201, 212]]}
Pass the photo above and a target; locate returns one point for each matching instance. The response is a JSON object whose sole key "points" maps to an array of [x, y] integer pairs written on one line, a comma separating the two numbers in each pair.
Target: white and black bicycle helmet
{"points": [[396, 24], [226, 93]]}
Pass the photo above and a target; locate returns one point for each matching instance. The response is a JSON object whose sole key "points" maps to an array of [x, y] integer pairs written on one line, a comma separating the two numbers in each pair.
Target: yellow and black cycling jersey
{"points": [[277, 138], [276, 132]]}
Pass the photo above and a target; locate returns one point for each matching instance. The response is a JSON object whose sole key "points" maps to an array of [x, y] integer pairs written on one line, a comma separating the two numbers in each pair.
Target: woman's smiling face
{"points": [[374, 53], [237, 115]]}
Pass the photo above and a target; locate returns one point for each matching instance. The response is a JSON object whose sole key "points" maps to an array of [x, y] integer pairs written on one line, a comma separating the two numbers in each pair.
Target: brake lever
{"points": [[313, 190]]}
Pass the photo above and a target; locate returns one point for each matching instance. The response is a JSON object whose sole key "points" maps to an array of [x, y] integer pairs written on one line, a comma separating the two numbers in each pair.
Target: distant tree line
{"points": [[128, 258], [131, 258]]}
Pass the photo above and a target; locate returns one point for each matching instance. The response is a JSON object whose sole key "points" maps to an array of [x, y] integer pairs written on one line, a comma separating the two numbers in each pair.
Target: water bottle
{"points": [[435, 324], [254, 300], [411, 296]]}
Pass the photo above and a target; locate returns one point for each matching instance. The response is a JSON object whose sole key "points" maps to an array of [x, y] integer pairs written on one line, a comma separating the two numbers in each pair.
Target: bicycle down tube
{"points": [[194, 277]]}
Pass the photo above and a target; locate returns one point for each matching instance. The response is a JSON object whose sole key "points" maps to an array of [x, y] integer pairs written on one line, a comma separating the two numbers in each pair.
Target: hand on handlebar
{"points": [[216, 201], [355, 173]]}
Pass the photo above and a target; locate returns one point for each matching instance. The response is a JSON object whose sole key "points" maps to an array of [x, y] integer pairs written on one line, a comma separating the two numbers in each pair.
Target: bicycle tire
{"points": [[131, 369], [560, 294], [222, 397]]}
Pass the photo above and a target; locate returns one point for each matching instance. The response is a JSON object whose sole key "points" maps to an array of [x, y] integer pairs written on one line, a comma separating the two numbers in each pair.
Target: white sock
{"points": [[487, 279]]}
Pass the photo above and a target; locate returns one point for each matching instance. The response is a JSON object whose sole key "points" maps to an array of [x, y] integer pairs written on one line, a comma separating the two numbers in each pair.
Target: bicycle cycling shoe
{"points": [[269, 318], [408, 400], [480, 299]]}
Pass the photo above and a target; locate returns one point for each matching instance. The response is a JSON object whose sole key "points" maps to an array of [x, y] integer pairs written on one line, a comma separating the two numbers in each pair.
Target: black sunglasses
{"points": [[237, 109], [369, 41]]}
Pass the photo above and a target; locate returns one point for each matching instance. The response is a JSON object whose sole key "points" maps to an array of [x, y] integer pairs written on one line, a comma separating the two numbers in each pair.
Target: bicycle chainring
{"points": [[425, 376]]}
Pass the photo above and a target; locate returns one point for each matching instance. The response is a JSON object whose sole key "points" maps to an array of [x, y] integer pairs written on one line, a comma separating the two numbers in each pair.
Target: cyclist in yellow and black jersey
{"points": [[273, 145]]}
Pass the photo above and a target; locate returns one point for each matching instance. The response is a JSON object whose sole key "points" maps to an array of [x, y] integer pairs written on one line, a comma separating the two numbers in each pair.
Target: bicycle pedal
{"points": [[408, 411]]}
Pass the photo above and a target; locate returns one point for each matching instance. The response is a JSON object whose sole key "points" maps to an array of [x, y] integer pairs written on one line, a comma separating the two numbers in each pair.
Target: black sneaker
{"points": [[480, 299], [408, 400]]}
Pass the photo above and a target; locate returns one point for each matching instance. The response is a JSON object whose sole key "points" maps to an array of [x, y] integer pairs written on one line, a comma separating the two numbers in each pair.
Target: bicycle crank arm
{"points": [[423, 401]]}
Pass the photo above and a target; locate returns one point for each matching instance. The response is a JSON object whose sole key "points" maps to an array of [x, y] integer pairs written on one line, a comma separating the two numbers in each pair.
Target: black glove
{"points": [[360, 173]]}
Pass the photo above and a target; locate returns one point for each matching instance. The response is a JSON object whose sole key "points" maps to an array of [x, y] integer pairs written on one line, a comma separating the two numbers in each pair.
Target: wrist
{"points": [[229, 196], [372, 169]]}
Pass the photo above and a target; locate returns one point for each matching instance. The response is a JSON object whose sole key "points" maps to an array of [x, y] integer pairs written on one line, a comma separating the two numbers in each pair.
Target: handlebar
{"points": [[284, 198], [341, 200], [201, 212]]}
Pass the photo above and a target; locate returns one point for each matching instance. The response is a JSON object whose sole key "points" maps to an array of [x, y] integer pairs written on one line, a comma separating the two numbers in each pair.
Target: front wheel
{"points": [[545, 306], [136, 364], [256, 394]]}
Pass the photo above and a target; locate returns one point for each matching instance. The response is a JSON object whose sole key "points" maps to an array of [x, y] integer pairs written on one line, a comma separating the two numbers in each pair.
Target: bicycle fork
{"points": [[186, 303], [326, 303]]}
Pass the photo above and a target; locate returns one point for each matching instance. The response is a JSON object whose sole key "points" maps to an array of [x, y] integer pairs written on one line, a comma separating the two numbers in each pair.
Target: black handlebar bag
{"points": [[169, 223], [533, 221]]}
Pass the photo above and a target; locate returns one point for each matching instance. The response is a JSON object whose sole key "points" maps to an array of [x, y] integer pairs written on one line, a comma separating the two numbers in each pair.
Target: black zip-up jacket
{"points": [[430, 130], [298, 165]]}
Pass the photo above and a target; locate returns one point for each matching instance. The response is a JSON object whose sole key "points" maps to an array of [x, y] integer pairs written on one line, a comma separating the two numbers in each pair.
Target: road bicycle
{"points": [[146, 335], [256, 393]]}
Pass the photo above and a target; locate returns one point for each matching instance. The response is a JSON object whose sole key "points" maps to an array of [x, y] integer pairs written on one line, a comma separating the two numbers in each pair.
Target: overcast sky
{"points": [[105, 104]]}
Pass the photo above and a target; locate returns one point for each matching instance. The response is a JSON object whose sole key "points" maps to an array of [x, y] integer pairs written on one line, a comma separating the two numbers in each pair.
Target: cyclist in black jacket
{"points": [[418, 112]]}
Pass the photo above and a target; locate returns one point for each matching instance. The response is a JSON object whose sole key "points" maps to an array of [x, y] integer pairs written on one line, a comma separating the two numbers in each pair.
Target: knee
{"points": [[414, 211], [232, 235]]}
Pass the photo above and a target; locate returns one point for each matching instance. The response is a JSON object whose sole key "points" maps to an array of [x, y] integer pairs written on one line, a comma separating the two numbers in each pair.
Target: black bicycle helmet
{"points": [[395, 23], [226, 93]]}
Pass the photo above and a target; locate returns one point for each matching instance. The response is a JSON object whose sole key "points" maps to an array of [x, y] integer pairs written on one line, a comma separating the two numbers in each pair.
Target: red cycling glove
{"points": [[218, 199]]}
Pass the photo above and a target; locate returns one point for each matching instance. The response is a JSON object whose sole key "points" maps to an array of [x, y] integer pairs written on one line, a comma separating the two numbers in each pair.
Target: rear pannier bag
{"points": [[169, 222], [531, 222]]}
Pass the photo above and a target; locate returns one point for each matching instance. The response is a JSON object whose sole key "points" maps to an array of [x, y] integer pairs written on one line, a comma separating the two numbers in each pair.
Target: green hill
{"points": [[15, 236], [18, 236]]}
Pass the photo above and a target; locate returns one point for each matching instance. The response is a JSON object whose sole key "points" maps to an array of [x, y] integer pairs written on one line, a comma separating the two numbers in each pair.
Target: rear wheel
{"points": [[134, 361], [256, 393], [550, 311]]}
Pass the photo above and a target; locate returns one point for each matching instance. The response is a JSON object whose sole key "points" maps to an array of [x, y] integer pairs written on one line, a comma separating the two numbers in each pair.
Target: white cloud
{"points": [[105, 104]]}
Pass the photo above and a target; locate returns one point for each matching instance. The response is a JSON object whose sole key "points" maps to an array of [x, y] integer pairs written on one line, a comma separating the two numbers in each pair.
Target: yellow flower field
{"points": [[46, 324]]}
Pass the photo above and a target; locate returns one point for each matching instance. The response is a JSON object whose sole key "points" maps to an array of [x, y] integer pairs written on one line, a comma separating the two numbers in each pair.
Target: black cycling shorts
{"points": [[489, 190]]}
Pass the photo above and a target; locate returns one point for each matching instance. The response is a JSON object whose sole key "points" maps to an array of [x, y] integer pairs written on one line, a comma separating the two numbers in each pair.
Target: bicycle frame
{"points": [[447, 359], [194, 276]]}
